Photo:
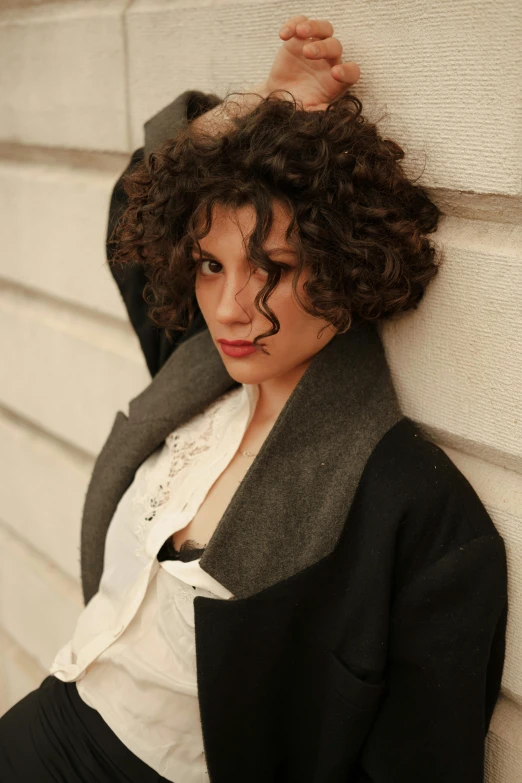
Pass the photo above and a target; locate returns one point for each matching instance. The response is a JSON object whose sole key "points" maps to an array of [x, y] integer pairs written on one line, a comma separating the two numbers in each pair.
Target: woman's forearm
{"points": [[216, 119]]}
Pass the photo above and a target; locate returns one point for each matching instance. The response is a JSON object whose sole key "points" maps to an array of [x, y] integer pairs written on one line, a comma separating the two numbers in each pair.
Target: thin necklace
{"points": [[248, 454]]}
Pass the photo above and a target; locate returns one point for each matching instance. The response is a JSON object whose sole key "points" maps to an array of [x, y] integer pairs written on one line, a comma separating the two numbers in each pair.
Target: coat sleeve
{"points": [[131, 279], [446, 656]]}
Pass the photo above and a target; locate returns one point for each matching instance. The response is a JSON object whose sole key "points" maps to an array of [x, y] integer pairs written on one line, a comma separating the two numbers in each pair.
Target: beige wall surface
{"points": [[77, 81]]}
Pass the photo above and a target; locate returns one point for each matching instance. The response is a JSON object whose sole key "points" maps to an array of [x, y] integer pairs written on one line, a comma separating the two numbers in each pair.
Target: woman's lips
{"points": [[237, 350]]}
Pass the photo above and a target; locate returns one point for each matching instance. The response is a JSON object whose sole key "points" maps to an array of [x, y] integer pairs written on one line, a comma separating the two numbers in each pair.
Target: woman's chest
{"points": [[202, 526]]}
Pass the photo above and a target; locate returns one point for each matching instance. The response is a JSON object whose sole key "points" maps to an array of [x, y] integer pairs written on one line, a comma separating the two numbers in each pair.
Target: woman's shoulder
{"points": [[435, 503], [408, 451]]}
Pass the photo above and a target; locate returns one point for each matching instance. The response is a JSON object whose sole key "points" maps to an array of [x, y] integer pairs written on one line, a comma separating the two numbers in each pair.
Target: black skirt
{"points": [[53, 736]]}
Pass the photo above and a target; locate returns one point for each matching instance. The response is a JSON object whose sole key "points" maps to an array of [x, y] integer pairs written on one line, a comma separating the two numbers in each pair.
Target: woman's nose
{"points": [[236, 296]]}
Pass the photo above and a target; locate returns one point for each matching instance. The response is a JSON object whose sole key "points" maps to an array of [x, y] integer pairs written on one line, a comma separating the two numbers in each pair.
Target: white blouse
{"points": [[133, 653]]}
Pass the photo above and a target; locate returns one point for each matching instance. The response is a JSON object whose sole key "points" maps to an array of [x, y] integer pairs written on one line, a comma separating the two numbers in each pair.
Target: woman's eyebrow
{"points": [[275, 250]]}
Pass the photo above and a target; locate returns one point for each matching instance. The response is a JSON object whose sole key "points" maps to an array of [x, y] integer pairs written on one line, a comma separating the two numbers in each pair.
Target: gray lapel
{"points": [[291, 506]]}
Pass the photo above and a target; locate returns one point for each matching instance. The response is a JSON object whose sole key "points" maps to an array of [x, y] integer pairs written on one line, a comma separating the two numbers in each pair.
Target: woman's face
{"points": [[225, 295]]}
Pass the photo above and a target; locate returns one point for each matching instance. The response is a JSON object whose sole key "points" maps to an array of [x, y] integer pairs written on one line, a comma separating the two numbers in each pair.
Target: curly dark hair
{"points": [[358, 224]]}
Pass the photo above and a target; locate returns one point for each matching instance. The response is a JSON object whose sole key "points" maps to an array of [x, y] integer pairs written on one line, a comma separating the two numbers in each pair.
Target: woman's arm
{"points": [[131, 279], [444, 672]]}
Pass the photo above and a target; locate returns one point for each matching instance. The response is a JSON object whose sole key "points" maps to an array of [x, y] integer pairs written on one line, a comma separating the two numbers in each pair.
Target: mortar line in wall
{"points": [[38, 554], [14, 154], [10, 640], [468, 205], [484, 207], [511, 698], [483, 452], [126, 70], [67, 307], [84, 459]]}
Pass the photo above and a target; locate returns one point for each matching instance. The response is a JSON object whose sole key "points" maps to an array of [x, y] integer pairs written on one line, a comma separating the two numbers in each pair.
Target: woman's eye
{"points": [[285, 268], [208, 261]]}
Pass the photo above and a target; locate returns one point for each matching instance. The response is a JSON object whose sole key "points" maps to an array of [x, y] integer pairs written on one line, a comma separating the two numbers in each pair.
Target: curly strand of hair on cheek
{"points": [[357, 222]]}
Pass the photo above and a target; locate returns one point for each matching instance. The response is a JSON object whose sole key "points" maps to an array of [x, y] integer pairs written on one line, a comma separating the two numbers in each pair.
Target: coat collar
{"points": [[291, 506]]}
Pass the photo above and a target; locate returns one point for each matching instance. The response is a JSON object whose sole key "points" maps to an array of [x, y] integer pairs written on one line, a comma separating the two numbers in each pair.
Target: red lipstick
{"points": [[237, 348], [235, 342]]}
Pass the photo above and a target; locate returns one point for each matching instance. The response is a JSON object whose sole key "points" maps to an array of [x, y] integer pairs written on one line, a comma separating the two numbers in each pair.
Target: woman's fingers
{"points": [[329, 49], [303, 27], [347, 73], [322, 45], [318, 28], [288, 29]]}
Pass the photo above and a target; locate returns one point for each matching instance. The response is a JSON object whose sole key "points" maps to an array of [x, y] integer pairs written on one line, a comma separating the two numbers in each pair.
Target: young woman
{"points": [[285, 580]]}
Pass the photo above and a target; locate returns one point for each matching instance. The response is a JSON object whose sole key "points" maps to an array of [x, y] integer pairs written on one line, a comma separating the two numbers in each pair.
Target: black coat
{"points": [[366, 638]]}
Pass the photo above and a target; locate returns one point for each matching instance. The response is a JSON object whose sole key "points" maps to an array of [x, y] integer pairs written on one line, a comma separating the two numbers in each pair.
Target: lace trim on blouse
{"points": [[183, 446], [189, 550]]}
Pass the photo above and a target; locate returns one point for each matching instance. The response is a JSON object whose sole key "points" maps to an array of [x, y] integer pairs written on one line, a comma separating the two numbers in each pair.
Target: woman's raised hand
{"points": [[313, 78]]}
